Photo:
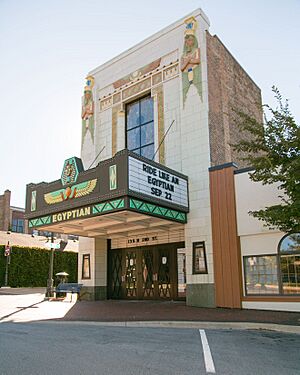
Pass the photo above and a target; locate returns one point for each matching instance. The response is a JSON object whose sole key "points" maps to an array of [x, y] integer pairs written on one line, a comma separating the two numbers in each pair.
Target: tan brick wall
{"points": [[5, 210], [229, 87]]}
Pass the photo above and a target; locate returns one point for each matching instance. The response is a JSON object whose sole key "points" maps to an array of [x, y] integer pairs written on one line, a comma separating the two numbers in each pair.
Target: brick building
{"points": [[5, 211], [158, 124], [11, 218]]}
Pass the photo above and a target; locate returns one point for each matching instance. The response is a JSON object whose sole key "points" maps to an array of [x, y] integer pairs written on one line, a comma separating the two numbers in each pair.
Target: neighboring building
{"points": [[34, 241], [5, 211], [147, 195], [17, 220], [11, 218], [14, 228]]}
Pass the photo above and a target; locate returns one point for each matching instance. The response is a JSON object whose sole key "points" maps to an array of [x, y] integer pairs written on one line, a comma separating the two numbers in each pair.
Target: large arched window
{"points": [[289, 259], [275, 273]]}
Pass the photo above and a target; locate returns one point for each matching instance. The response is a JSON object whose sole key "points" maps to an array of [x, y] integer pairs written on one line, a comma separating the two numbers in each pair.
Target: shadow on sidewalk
{"points": [[34, 305]]}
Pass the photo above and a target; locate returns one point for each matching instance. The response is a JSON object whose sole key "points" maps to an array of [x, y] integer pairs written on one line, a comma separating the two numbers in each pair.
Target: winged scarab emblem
{"points": [[71, 192]]}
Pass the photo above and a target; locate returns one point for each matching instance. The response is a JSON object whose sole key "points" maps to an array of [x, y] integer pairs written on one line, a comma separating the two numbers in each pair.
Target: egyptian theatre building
{"points": [[158, 192]]}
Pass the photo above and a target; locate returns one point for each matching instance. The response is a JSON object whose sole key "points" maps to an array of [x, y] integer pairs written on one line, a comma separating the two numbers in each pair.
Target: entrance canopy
{"points": [[115, 225], [121, 195]]}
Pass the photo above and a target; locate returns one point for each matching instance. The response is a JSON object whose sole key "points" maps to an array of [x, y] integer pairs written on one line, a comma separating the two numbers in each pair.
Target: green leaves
{"points": [[29, 267], [272, 148]]}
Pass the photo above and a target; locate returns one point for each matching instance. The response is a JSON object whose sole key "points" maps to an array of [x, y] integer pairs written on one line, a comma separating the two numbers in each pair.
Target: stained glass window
{"points": [[140, 127]]}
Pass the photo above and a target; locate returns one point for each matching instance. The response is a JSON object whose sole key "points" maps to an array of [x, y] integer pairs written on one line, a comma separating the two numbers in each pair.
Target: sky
{"points": [[48, 47]]}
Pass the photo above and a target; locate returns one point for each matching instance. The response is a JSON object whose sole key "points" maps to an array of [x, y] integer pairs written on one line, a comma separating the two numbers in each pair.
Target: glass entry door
{"points": [[148, 272], [130, 276]]}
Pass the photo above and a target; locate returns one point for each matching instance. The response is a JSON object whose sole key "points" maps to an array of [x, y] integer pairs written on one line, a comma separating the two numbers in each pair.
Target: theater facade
{"points": [[157, 196]]}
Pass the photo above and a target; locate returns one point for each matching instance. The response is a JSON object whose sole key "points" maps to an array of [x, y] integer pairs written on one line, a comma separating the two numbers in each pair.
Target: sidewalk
{"points": [[28, 305], [20, 305], [134, 311]]}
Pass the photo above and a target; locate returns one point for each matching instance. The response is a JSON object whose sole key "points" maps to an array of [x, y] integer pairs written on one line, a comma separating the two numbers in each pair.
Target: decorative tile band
{"points": [[117, 98], [105, 207], [138, 73], [83, 212], [114, 126], [171, 72], [150, 208], [157, 78], [130, 89], [161, 125], [106, 103], [40, 221], [108, 206], [137, 88]]}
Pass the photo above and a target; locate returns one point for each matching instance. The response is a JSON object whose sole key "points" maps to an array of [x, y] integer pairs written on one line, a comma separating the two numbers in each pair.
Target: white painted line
{"points": [[209, 363]]}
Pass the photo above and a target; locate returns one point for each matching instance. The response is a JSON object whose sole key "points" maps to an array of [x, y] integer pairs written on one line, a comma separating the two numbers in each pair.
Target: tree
{"points": [[273, 150]]}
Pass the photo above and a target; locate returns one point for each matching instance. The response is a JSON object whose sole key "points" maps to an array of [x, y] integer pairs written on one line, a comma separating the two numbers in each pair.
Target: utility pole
{"points": [[49, 292]]}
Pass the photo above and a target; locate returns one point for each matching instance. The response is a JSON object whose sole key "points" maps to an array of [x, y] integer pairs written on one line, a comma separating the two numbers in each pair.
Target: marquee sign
{"points": [[155, 182], [124, 182]]}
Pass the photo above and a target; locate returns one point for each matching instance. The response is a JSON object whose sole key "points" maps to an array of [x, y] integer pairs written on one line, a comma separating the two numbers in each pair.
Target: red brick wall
{"points": [[5, 210], [229, 87]]}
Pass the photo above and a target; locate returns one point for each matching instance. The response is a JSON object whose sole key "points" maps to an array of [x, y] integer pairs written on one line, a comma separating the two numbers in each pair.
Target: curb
{"points": [[184, 324]]}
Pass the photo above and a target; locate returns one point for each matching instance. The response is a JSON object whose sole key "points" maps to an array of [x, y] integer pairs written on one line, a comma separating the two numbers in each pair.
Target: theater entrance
{"points": [[148, 272]]}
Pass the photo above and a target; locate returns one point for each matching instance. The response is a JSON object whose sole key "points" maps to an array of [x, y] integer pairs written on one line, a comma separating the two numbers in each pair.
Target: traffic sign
{"points": [[53, 245], [7, 251]]}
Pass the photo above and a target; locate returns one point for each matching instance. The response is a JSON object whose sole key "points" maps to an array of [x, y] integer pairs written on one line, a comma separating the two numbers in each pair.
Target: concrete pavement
{"points": [[27, 305]]}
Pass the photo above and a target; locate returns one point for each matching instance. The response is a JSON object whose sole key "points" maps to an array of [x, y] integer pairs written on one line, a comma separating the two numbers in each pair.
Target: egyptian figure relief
{"points": [[71, 169], [190, 60], [87, 112]]}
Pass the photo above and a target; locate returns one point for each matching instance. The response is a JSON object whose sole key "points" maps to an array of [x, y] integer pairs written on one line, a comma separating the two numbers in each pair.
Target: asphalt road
{"points": [[71, 348]]}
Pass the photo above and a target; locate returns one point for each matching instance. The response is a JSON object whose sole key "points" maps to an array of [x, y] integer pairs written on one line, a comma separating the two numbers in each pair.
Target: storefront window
{"points": [[140, 127], [289, 252], [261, 274], [275, 274]]}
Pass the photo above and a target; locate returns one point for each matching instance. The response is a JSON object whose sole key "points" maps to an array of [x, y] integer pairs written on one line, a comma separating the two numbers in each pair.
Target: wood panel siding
{"points": [[226, 247]]}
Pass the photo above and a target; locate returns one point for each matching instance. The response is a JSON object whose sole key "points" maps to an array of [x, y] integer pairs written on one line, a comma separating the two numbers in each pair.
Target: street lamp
{"points": [[59, 246], [49, 292]]}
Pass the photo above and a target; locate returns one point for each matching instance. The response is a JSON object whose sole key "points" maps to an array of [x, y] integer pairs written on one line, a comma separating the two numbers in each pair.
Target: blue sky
{"points": [[48, 47]]}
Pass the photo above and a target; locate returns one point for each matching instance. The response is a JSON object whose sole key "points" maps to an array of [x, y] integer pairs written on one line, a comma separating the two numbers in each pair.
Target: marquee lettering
{"points": [[74, 214]]}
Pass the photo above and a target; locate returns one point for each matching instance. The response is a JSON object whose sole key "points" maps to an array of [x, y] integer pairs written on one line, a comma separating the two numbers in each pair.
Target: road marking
{"points": [[209, 363]]}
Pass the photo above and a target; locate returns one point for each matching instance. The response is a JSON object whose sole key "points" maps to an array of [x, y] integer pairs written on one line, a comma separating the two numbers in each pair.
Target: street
{"points": [[35, 340], [78, 348]]}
